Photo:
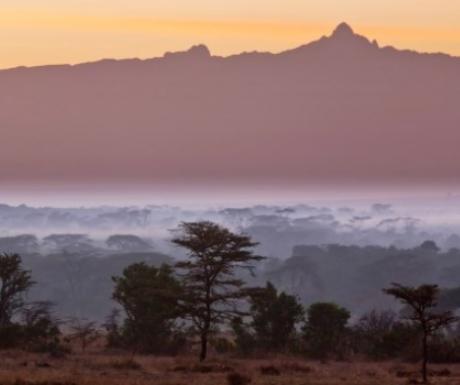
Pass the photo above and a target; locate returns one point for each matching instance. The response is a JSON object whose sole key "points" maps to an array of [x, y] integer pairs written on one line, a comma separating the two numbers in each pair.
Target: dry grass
{"points": [[18, 368]]}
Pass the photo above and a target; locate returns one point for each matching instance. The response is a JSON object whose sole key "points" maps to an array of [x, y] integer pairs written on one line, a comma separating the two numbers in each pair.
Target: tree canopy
{"points": [[212, 289], [325, 327], [149, 297], [274, 317]]}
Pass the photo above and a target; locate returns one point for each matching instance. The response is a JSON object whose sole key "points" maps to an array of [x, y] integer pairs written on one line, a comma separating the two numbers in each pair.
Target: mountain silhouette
{"points": [[343, 29], [337, 109]]}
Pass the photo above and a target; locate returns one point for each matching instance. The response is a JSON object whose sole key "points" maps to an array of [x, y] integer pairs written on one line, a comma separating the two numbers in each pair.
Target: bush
{"points": [[112, 326], [40, 330], [237, 379], [444, 350], [325, 331], [37, 331], [149, 297], [245, 341], [11, 336], [379, 335], [275, 316]]}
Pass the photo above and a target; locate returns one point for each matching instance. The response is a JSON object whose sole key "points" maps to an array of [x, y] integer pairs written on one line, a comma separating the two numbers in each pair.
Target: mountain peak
{"points": [[343, 29], [344, 36], [196, 52], [199, 50]]}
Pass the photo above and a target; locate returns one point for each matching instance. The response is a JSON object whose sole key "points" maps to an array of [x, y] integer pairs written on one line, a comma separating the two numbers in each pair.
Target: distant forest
{"points": [[75, 272], [340, 253]]}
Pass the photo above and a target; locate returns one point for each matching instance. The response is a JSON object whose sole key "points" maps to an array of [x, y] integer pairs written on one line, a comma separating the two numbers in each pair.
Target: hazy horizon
{"points": [[215, 195], [338, 121]]}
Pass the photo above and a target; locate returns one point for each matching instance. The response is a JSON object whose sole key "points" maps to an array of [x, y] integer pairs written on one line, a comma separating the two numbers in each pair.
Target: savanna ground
{"points": [[19, 368]]}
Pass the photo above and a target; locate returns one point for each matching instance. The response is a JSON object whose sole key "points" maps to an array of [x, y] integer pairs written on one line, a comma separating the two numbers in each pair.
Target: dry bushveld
{"points": [[18, 368]]}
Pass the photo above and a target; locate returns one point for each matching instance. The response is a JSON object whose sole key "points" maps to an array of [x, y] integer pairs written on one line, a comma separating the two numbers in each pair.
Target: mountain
{"points": [[337, 109]]}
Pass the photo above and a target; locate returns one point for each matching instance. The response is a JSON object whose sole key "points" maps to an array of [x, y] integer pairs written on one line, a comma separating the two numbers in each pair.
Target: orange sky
{"points": [[34, 32]]}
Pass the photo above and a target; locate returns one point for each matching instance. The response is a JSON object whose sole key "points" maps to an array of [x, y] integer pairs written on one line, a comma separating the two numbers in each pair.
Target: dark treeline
{"points": [[211, 300], [74, 271]]}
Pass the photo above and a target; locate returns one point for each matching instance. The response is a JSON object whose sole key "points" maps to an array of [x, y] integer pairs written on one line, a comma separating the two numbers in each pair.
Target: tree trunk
{"points": [[207, 323], [424, 357], [3, 312], [204, 346]]}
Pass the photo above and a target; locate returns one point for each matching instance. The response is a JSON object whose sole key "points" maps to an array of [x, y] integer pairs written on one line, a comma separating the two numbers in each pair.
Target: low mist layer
{"points": [[336, 252]]}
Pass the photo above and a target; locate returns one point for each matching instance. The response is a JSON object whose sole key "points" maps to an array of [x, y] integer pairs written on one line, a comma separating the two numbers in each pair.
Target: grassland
{"points": [[19, 368]]}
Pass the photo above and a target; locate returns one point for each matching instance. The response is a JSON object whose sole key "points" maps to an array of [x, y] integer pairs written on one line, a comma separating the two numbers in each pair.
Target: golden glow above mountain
{"points": [[50, 31]]}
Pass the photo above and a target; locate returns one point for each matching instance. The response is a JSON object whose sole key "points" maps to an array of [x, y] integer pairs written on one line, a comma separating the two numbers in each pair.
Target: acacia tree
{"points": [[70, 243], [128, 242], [421, 302], [14, 283], [212, 291], [23, 243]]}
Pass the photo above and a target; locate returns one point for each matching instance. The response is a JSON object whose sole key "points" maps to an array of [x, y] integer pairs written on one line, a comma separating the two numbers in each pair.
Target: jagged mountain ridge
{"points": [[340, 108]]}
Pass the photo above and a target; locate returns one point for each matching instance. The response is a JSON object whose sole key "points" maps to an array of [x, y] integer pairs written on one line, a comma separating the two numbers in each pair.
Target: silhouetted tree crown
{"points": [[71, 243], [14, 283], [274, 317], [149, 297], [430, 246], [212, 290], [325, 329]]}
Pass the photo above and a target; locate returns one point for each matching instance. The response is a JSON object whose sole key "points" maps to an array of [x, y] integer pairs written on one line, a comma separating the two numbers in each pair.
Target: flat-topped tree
{"points": [[212, 291], [128, 242], [421, 302]]}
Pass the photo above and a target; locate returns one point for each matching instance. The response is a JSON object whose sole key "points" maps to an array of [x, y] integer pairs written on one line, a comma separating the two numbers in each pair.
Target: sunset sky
{"points": [[34, 32]]}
